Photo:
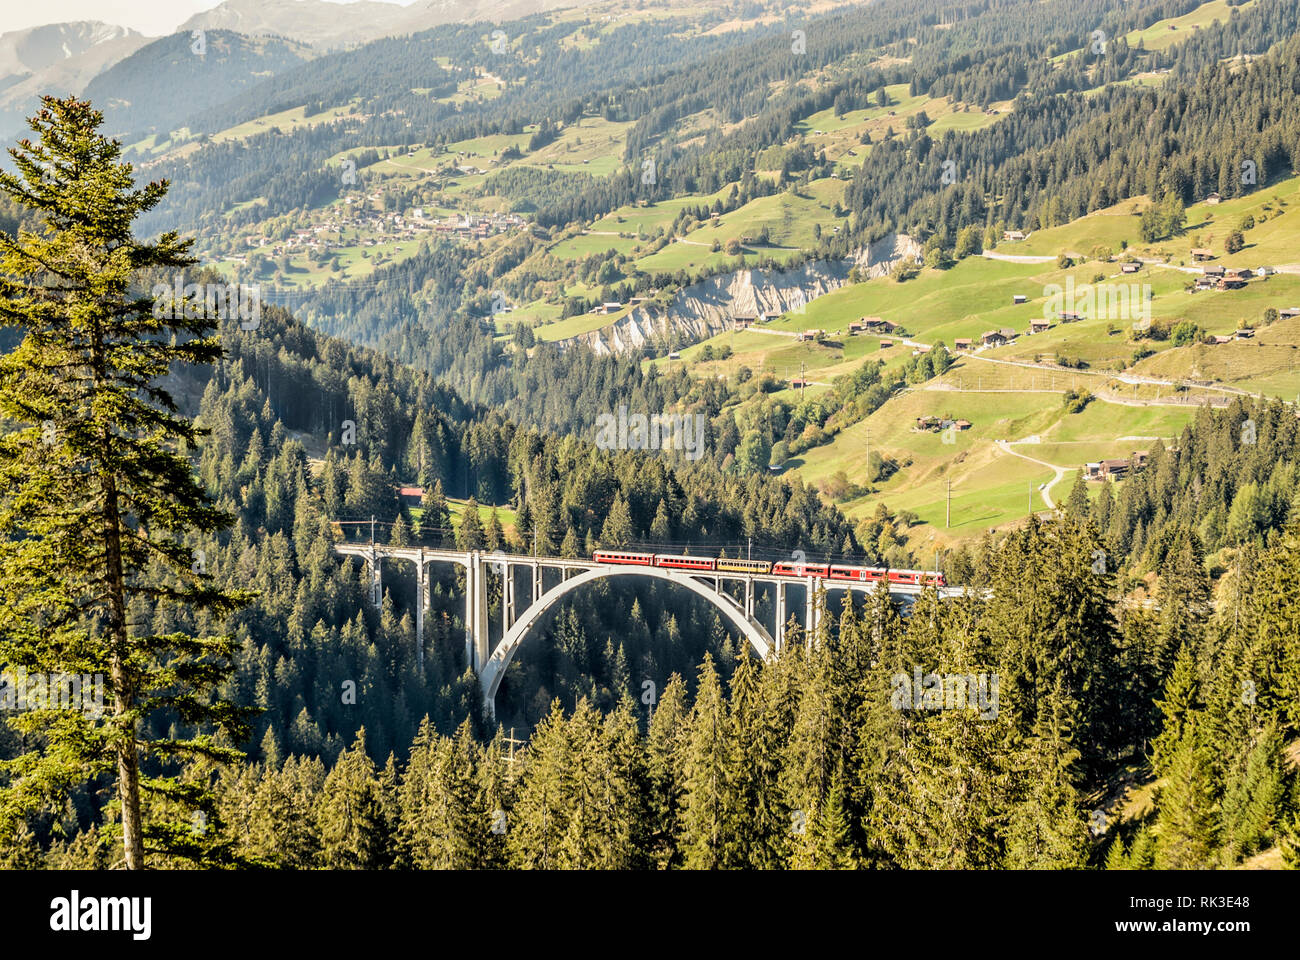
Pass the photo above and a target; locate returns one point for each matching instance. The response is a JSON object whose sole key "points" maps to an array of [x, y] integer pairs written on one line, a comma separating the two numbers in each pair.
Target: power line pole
{"points": [[511, 741], [947, 522]]}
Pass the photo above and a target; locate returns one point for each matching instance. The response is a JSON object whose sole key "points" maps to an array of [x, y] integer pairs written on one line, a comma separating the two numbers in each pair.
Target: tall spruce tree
{"points": [[98, 494], [1187, 809]]}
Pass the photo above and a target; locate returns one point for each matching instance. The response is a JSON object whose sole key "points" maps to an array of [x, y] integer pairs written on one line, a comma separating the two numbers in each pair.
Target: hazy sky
{"points": [[153, 18]]}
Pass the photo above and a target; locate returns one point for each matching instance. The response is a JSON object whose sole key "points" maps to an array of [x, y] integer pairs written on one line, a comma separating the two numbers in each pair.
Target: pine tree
{"points": [[435, 517], [469, 533], [763, 833], [665, 759], [1115, 857], [1142, 852], [349, 813], [1047, 830], [617, 530], [539, 817], [443, 822], [831, 831], [1254, 797], [570, 547], [283, 828], [98, 493], [493, 536], [1187, 808], [709, 809], [661, 526], [1184, 595], [1180, 702], [1077, 505]]}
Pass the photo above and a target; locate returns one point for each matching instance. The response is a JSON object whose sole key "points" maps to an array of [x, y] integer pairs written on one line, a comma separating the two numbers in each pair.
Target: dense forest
{"points": [[808, 761], [1090, 687]]}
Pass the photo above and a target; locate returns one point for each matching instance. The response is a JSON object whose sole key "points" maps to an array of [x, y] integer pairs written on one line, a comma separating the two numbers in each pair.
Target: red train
{"points": [[782, 568]]}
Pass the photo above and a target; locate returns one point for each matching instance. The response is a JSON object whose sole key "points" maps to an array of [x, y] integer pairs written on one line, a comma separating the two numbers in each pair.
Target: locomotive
{"points": [[782, 568]]}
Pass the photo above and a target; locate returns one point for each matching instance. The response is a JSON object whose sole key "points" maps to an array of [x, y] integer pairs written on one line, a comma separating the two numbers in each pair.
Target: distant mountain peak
{"points": [[37, 48]]}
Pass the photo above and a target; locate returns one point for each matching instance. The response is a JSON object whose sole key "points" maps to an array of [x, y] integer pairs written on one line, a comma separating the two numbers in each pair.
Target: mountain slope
{"points": [[58, 57], [163, 83], [332, 25]]}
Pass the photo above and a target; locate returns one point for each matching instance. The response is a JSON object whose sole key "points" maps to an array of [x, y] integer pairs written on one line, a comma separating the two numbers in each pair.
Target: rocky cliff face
{"points": [[706, 308]]}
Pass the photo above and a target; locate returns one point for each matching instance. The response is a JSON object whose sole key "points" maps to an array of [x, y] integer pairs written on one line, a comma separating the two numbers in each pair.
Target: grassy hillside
{"points": [[1016, 392]]}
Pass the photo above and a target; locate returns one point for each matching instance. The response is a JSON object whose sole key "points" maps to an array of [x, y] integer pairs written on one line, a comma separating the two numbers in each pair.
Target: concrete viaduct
{"points": [[489, 664]]}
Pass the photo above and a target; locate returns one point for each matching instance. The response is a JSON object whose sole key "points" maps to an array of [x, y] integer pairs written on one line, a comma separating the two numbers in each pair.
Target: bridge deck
{"points": [[496, 558]]}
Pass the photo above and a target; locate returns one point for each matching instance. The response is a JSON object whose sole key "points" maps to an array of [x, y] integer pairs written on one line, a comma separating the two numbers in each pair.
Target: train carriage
{"points": [[685, 563], [857, 574], [743, 566], [619, 556], [783, 568], [787, 568]]}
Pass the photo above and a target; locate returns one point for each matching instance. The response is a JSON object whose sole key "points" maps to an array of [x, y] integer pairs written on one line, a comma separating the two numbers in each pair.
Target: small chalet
{"points": [[1039, 326], [812, 334], [1012, 235], [1069, 317], [799, 382], [993, 338], [742, 323], [1230, 283], [1219, 340], [962, 424], [1132, 267], [410, 496], [876, 325], [961, 344], [1018, 298], [769, 317], [1214, 198], [1289, 313], [1215, 271], [1106, 469], [1244, 334], [1239, 273], [886, 344], [1202, 253], [1204, 283], [1265, 272], [928, 423]]}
